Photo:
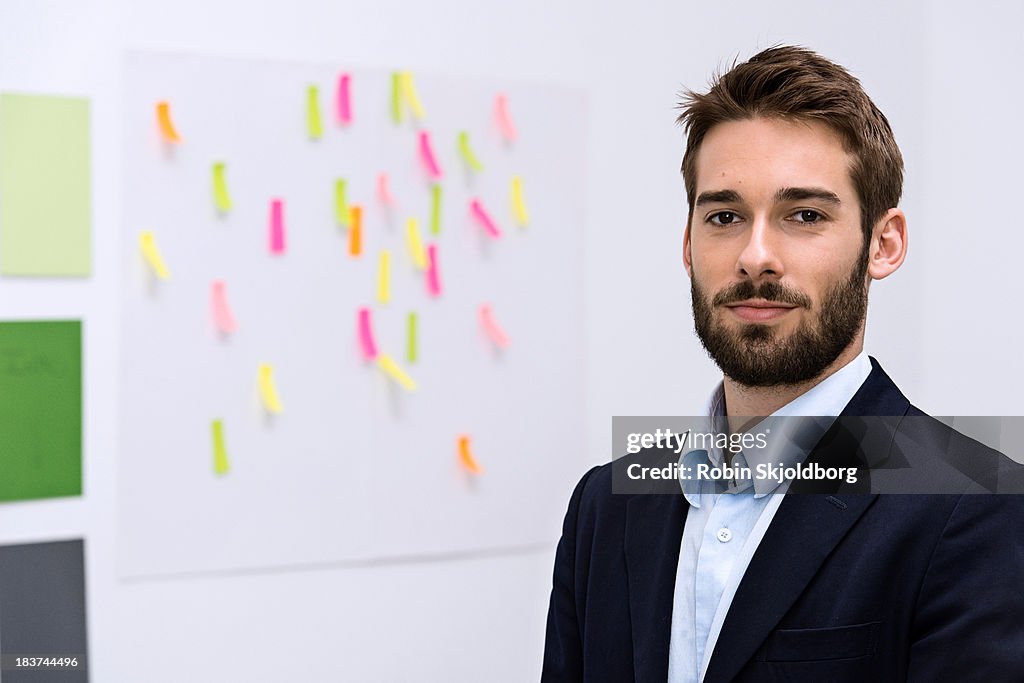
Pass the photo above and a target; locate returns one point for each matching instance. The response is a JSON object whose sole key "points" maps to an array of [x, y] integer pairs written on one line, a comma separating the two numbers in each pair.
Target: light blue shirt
{"points": [[723, 529]]}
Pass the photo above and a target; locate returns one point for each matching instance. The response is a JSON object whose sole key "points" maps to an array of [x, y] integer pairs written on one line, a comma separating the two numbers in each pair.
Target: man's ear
{"points": [[888, 246], [687, 257]]}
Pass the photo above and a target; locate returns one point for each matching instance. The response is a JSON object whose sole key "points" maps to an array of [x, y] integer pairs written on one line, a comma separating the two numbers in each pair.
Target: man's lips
{"points": [[759, 310]]}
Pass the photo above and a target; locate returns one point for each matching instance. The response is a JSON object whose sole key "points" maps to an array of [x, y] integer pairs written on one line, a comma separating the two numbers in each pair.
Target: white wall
{"points": [[944, 326]]}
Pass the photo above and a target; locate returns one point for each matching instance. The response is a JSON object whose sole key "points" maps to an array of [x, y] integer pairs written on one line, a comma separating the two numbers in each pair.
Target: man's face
{"points": [[775, 251]]}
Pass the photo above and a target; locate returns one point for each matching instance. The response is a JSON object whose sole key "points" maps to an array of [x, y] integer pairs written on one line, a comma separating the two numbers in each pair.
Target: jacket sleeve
{"points": [[563, 651], [969, 623]]}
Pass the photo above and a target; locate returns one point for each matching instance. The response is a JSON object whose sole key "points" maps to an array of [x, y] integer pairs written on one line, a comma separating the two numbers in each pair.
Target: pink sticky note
{"points": [[277, 226], [505, 125], [344, 99], [433, 272], [384, 189], [492, 328], [366, 339], [484, 218], [427, 155], [222, 315]]}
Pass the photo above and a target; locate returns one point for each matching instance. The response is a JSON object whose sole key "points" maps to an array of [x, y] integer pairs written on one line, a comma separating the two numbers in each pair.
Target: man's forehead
{"points": [[765, 156]]}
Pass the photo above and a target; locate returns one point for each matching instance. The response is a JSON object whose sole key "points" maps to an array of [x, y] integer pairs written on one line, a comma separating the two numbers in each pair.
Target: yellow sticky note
{"points": [[313, 118], [152, 255], [412, 238], [410, 94], [220, 451], [268, 390], [221, 198], [342, 214], [518, 204], [391, 369], [384, 277]]}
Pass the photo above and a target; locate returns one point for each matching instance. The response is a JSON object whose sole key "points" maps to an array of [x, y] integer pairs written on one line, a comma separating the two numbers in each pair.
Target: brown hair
{"points": [[797, 84]]}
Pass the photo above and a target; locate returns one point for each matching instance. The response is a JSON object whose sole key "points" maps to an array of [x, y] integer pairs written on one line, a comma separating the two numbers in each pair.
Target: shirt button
{"points": [[724, 535]]}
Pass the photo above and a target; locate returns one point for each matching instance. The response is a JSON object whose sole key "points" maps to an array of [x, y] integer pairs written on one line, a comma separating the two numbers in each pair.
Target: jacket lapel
{"points": [[654, 530], [803, 532]]}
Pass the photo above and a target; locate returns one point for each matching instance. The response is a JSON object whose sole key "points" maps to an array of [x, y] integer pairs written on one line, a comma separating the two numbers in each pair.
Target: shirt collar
{"points": [[791, 440]]}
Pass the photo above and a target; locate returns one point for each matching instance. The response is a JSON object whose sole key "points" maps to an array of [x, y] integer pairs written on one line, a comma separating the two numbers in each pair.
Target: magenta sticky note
{"points": [[277, 240], [484, 218], [345, 99], [433, 272]]}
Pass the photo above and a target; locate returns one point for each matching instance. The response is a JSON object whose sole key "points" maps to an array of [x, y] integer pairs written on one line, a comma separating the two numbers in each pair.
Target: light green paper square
{"points": [[40, 409], [45, 186]]}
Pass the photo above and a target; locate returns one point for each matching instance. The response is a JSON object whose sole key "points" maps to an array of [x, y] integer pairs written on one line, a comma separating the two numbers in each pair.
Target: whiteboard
{"points": [[355, 469]]}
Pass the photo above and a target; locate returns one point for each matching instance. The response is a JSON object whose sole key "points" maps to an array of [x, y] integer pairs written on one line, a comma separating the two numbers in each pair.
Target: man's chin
{"points": [[757, 335]]}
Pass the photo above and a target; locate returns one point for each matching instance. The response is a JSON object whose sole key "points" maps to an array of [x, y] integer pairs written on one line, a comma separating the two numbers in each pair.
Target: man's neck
{"points": [[741, 400]]}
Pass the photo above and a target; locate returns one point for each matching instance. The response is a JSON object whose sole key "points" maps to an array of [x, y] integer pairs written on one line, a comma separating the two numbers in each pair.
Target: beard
{"points": [[756, 356]]}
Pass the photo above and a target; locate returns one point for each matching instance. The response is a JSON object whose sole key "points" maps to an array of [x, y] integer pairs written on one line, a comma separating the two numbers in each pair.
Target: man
{"points": [[793, 179]]}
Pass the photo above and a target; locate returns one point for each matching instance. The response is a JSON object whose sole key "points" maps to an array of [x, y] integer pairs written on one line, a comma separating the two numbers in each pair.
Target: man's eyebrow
{"points": [[795, 194], [718, 197]]}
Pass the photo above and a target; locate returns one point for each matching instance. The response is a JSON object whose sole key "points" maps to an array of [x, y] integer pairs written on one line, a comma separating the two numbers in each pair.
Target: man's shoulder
{"points": [[608, 487], [907, 450], [936, 448]]}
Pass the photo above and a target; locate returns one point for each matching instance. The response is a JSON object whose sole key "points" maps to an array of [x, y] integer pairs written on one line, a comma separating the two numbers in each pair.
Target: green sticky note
{"points": [[221, 196], [342, 213], [435, 209], [221, 465], [40, 409], [45, 186], [396, 96], [313, 119], [410, 337]]}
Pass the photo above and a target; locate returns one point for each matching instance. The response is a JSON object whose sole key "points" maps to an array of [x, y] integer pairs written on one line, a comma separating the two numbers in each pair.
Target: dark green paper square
{"points": [[40, 409]]}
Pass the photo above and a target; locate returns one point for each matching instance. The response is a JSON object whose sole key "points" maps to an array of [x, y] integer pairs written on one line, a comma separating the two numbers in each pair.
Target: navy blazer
{"points": [[844, 586]]}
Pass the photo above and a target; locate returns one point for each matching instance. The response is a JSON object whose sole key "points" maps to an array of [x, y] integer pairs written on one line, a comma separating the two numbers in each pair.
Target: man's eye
{"points": [[808, 216], [722, 218]]}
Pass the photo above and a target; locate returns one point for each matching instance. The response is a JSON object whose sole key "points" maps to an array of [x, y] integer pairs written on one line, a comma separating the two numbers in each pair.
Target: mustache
{"points": [[769, 291]]}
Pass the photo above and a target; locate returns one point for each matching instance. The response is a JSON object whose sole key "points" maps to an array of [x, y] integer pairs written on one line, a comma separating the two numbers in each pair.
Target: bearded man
{"points": [[916, 573]]}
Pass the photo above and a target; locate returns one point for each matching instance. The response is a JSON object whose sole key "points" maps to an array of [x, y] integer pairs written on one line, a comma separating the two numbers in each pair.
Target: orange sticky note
{"points": [[355, 231], [163, 118], [466, 458]]}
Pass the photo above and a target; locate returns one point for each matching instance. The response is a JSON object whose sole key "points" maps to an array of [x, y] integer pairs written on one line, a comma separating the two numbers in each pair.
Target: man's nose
{"points": [[759, 258]]}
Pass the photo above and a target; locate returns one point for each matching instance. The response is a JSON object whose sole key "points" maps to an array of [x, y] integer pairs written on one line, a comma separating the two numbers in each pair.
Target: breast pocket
{"points": [[822, 644]]}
